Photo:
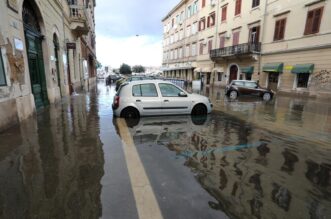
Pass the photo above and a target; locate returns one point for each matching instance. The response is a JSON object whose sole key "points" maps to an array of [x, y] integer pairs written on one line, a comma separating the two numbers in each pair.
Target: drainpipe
{"points": [[263, 34], [216, 33]]}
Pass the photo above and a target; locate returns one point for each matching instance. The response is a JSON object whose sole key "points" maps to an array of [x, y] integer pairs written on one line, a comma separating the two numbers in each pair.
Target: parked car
{"points": [[157, 97], [243, 87], [129, 79]]}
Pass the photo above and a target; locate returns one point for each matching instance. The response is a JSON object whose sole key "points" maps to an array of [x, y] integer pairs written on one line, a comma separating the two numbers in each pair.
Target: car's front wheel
{"points": [[266, 96], [199, 109], [233, 95], [130, 112]]}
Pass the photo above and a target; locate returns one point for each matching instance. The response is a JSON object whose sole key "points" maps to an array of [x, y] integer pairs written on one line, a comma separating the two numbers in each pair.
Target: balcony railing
{"points": [[237, 50], [78, 17]]}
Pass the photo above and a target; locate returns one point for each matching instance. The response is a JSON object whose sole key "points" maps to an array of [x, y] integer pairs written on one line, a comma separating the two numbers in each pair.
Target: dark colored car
{"points": [[242, 87]]}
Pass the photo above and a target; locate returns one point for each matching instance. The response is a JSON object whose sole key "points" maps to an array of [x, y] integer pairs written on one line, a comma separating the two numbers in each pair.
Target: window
{"points": [[187, 52], [224, 10], [201, 49], [254, 34], [250, 84], [188, 31], [2, 72], [238, 83], [211, 20], [302, 80], [169, 90], [194, 28], [203, 3], [222, 41], [194, 49], [255, 3], [238, 7], [202, 24], [235, 38], [210, 45], [280, 29], [313, 22], [189, 11], [180, 55], [144, 90], [195, 7], [219, 76]]}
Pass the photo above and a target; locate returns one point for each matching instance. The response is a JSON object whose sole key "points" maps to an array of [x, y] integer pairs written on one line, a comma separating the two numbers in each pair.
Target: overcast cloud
{"points": [[118, 23]]}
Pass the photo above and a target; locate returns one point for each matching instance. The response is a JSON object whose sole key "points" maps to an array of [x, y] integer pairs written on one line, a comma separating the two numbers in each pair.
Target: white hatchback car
{"points": [[157, 97]]}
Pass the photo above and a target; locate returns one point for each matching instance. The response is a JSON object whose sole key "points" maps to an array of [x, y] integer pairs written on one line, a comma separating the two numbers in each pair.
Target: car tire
{"points": [[199, 109], [233, 95], [266, 96], [130, 112]]}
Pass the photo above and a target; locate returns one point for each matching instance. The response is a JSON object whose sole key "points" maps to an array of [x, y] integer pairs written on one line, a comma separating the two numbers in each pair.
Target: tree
{"points": [[138, 69], [125, 69]]}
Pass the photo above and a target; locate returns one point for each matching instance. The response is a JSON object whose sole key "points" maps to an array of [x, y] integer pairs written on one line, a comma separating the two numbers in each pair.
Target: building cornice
{"points": [[181, 3]]}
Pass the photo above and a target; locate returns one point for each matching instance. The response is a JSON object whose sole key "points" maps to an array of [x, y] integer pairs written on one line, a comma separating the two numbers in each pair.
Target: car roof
{"points": [[243, 81], [149, 81]]}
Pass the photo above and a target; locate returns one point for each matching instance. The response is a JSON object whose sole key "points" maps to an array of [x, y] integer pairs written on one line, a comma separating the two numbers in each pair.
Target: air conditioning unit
{"points": [[227, 35]]}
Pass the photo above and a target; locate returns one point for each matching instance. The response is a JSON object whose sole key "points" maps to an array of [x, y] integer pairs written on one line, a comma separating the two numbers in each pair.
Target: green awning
{"points": [[303, 68], [273, 67], [248, 70]]}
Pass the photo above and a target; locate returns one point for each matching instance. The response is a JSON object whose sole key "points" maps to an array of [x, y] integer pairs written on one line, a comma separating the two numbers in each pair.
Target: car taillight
{"points": [[116, 102]]}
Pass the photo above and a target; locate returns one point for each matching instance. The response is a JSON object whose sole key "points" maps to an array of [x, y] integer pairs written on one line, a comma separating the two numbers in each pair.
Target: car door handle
{"points": [[138, 100], [166, 100]]}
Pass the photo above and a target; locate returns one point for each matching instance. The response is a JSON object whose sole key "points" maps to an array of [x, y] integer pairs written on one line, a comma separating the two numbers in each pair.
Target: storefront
{"points": [[273, 70]]}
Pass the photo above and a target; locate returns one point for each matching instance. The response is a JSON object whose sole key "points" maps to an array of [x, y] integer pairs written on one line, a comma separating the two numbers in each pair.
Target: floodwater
{"points": [[248, 159]]}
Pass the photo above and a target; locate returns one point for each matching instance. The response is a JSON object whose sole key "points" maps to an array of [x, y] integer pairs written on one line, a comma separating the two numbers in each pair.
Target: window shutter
{"points": [[276, 34], [238, 7], [222, 41], [235, 38], [210, 45], [257, 38], [203, 3], [317, 20], [282, 29], [208, 21], [224, 9], [309, 22]]}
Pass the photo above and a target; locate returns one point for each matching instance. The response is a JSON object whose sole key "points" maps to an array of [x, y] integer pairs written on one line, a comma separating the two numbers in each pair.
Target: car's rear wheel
{"points": [[266, 96], [199, 109], [130, 112], [233, 95]]}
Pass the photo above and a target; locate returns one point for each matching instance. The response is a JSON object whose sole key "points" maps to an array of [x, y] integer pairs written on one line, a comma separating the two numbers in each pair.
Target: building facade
{"points": [[284, 45], [47, 52]]}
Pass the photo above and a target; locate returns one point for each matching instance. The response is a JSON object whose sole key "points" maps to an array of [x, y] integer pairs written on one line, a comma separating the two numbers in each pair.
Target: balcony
{"points": [[78, 20], [244, 50]]}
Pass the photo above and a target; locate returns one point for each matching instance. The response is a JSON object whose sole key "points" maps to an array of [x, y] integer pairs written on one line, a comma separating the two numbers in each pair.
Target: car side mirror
{"points": [[182, 94]]}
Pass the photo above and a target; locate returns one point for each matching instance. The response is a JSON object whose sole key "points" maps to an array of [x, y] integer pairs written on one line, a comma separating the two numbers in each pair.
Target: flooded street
{"points": [[248, 159]]}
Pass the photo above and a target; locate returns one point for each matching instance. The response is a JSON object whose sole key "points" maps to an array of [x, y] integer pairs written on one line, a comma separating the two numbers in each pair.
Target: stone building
{"points": [[47, 52], [285, 45]]}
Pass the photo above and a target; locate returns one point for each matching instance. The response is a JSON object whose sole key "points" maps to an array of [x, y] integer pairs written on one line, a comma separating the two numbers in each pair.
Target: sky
{"points": [[119, 22]]}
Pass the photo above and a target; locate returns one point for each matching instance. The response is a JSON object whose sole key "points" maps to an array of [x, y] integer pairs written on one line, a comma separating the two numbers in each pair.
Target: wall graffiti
{"points": [[16, 63], [322, 80]]}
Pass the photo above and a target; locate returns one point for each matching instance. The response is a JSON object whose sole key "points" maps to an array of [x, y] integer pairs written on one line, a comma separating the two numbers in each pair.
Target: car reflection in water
{"points": [[251, 172]]}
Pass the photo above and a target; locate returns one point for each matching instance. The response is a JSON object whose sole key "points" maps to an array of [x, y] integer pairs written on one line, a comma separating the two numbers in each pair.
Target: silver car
{"points": [[157, 97]]}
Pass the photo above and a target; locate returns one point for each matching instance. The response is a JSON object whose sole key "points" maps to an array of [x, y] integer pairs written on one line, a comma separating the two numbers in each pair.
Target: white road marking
{"points": [[146, 203]]}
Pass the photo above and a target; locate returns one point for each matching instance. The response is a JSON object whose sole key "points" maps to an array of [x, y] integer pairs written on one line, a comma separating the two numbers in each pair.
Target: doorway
{"points": [[208, 78], [273, 81], [233, 73], [33, 38]]}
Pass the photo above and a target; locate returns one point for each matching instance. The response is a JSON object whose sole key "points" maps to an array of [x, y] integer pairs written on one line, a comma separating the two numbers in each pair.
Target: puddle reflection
{"points": [[248, 170]]}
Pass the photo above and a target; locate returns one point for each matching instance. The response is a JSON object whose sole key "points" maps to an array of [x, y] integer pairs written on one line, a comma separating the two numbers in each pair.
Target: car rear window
{"points": [[144, 90]]}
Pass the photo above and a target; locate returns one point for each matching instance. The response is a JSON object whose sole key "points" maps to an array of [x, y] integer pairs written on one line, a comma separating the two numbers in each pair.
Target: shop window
{"points": [[255, 3], [302, 80], [248, 77], [2, 71], [313, 22], [280, 29]]}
